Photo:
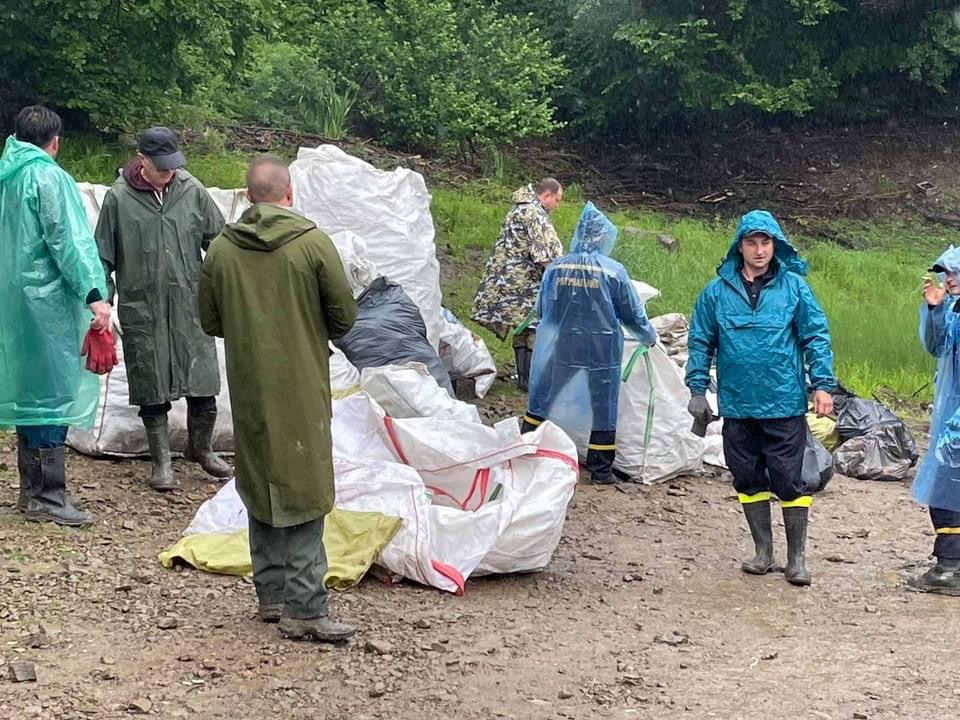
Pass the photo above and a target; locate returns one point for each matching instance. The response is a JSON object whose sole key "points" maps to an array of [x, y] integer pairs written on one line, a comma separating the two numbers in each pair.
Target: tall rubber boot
{"points": [[523, 355], [795, 522], [200, 444], [49, 501], [758, 520], [158, 438], [28, 469]]}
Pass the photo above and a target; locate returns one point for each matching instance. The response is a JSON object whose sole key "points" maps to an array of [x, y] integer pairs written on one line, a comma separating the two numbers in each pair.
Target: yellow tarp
{"points": [[353, 541], [824, 429]]}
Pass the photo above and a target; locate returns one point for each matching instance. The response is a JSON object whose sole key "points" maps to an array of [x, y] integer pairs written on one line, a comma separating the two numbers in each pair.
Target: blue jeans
{"points": [[42, 437]]}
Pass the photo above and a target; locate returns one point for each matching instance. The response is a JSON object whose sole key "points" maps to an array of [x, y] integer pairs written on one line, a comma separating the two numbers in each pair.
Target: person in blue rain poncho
{"points": [[51, 281], [585, 301], [937, 483], [762, 323]]}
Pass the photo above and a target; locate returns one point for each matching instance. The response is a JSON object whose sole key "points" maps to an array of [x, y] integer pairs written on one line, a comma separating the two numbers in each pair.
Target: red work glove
{"points": [[101, 351]]}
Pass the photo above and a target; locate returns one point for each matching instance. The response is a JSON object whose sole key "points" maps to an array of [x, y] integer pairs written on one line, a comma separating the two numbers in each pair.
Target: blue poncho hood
{"points": [[594, 232], [949, 261]]}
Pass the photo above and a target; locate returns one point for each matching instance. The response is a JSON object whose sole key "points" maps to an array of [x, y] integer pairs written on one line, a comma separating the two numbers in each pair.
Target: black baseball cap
{"points": [[160, 145]]}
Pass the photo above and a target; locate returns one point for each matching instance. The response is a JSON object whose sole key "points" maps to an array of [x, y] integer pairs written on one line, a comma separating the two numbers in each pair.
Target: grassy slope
{"points": [[870, 294]]}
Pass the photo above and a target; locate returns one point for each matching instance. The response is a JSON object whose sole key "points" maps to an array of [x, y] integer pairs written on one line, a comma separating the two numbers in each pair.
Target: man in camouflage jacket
{"points": [[526, 245]]}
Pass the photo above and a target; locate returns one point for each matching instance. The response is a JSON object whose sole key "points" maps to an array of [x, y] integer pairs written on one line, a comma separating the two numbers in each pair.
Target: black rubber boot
{"points": [[758, 520], [795, 523], [943, 578], [28, 469], [158, 438], [523, 355], [200, 444], [49, 501]]}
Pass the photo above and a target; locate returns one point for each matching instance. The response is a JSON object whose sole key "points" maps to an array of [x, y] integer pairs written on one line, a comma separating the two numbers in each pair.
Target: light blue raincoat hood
{"points": [[594, 232]]}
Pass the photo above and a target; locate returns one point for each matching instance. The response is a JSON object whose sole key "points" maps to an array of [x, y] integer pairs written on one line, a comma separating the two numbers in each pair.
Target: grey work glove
{"points": [[699, 408]]}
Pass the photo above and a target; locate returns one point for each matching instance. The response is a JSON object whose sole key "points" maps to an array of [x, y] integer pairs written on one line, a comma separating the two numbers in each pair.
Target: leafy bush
{"points": [[286, 88], [637, 67], [435, 71]]}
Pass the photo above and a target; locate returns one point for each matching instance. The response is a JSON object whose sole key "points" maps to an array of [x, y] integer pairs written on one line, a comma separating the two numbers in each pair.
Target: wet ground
{"points": [[643, 613]]}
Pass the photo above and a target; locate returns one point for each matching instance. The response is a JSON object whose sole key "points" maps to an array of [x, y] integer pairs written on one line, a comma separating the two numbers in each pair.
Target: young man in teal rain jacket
{"points": [[937, 483], [762, 323]]}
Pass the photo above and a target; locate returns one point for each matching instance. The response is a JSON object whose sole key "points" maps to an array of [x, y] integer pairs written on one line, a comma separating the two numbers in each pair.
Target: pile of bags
{"points": [[472, 499], [381, 225]]}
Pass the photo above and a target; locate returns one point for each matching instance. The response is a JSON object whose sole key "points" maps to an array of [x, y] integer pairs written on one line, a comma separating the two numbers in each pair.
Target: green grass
{"points": [[868, 276], [90, 160], [871, 295]]}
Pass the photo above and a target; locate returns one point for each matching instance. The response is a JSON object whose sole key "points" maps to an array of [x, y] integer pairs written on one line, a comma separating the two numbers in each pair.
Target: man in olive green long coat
{"points": [[274, 288], [155, 221]]}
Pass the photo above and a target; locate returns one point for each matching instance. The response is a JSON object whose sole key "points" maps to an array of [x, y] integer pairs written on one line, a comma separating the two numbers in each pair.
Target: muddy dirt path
{"points": [[642, 614]]}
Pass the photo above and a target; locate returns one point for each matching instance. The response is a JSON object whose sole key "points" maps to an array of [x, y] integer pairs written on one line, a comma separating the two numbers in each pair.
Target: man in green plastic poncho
{"points": [[155, 222], [277, 364], [49, 276]]}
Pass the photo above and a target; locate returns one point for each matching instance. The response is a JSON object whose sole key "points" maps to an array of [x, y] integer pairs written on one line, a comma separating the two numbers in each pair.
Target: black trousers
{"points": [[195, 406], [601, 450], [947, 525], [766, 456]]}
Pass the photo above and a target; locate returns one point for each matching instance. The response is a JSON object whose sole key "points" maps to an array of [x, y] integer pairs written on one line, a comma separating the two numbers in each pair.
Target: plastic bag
{"points": [[466, 357], [402, 393], [886, 452], [390, 331], [857, 416]]}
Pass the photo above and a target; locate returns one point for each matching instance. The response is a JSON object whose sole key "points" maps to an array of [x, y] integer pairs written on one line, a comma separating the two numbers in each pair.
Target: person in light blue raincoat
{"points": [[761, 322], [585, 300], [937, 483]]}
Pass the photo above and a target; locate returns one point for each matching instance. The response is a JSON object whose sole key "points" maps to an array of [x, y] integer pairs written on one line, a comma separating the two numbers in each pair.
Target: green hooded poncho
{"points": [[274, 289], [48, 267]]}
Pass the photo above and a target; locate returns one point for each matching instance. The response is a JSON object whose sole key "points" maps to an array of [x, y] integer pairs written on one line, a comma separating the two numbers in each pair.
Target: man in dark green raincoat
{"points": [[155, 222], [274, 288]]}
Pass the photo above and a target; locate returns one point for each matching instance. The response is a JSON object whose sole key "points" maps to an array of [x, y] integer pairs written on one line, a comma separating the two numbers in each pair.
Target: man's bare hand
{"points": [[932, 292], [101, 315], [822, 403]]}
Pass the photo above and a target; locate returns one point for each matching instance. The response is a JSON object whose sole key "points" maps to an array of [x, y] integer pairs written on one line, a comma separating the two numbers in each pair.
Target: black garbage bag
{"points": [[857, 416], [389, 330], [887, 452]]}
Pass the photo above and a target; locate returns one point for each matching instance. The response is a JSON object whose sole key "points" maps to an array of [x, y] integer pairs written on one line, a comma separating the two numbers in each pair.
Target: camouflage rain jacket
{"points": [[511, 280]]}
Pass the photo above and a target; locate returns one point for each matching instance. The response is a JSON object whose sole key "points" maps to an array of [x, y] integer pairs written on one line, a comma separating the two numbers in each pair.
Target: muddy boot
{"points": [[200, 444], [322, 629], [795, 523], [161, 476], [28, 471], [943, 578], [758, 519], [523, 355], [270, 612], [49, 501]]}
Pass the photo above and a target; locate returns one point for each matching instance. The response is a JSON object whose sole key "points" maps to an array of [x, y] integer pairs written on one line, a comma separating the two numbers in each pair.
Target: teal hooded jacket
{"points": [[762, 354], [48, 266]]}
